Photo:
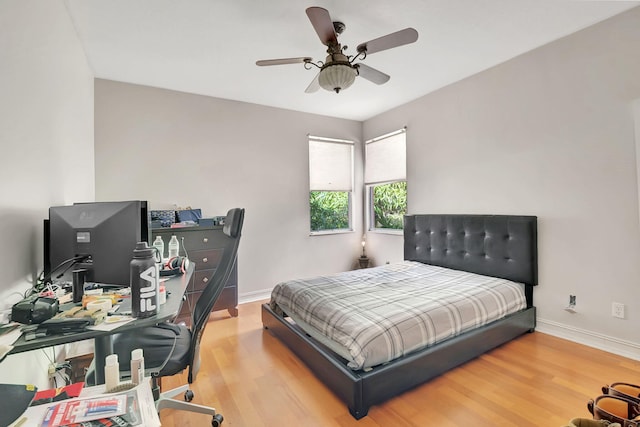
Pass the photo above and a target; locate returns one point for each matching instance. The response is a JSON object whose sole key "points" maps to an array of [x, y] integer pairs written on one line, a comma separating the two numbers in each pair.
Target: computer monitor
{"points": [[99, 237]]}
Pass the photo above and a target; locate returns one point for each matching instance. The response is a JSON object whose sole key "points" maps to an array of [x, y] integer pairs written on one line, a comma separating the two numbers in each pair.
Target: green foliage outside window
{"points": [[389, 205], [329, 210]]}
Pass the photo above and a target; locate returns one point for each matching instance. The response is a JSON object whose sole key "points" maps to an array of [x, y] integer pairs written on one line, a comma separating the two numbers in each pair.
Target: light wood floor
{"points": [[536, 380]]}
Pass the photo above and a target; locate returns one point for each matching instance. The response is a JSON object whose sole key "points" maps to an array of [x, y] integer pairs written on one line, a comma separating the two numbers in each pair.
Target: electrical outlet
{"points": [[52, 370], [571, 308], [617, 310]]}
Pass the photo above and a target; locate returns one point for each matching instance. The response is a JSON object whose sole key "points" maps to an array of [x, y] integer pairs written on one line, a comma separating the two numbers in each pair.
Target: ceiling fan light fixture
{"points": [[337, 76], [339, 71]]}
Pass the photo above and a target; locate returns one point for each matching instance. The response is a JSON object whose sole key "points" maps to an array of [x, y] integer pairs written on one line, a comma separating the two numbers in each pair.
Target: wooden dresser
{"points": [[201, 245]]}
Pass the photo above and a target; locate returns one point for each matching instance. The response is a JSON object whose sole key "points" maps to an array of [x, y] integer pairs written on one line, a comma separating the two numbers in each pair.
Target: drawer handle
{"points": [[205, 240], [205, 259], [205, 279]]}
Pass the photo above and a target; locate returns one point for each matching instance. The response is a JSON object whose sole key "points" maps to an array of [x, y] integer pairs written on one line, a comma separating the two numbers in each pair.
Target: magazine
{"points": [[134, 407]]}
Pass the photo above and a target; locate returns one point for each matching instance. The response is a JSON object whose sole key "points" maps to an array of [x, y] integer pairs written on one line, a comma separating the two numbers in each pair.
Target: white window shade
{"points": [[386, 159], [330, 165]]}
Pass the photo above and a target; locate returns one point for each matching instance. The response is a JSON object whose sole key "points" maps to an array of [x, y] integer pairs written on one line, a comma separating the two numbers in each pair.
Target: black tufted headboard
{"points": [[502, 246]]}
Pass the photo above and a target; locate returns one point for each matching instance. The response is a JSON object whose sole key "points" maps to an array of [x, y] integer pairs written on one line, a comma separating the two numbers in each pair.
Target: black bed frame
{"points": [[494, 245]]}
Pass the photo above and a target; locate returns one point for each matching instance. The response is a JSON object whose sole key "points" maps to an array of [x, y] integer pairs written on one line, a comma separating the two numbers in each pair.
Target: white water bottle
{"points": [[174, 247], [111, 372], [137, 366], [159, 245]]}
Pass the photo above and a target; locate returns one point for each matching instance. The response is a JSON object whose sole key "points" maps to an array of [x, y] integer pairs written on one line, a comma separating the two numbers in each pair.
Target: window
{"points": [[330, 184], [386, 180]]}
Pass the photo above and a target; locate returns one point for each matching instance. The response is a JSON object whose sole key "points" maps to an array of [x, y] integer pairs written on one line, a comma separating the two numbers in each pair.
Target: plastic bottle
{"points": [[111, 372], [143, 280], [137, 366], [159, 245], [174, 247]]}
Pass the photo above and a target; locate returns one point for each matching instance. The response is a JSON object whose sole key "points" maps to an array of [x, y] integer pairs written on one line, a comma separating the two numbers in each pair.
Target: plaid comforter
{"points": [[382, 313]]}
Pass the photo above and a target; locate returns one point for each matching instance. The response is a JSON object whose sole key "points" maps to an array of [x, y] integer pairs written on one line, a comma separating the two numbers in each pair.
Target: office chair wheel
{"points": [[188, 396], [217, 420]]}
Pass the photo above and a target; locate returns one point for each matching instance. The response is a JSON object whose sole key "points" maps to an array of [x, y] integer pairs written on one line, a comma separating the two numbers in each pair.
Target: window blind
{"points": [[330, 165], [386, 158]]}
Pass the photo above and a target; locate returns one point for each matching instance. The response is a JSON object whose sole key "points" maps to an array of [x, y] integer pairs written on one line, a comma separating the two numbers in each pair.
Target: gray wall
{"points": [[173, 148], [46, 135], [550, 133]]}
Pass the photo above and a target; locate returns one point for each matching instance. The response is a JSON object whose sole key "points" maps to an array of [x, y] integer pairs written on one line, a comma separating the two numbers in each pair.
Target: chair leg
{"points": [[184, 406], [166, 402], [173, 392]]}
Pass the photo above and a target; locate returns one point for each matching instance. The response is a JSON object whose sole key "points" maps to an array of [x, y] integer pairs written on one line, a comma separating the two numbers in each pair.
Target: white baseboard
{"points": [[263, 294], [592, 339]]}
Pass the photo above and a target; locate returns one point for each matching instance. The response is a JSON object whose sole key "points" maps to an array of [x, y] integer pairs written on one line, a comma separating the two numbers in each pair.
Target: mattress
{"points": [[375, 315]]}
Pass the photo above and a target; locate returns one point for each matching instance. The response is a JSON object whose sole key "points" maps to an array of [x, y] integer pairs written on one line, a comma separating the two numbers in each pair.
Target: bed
{"points": [[498, 248]]}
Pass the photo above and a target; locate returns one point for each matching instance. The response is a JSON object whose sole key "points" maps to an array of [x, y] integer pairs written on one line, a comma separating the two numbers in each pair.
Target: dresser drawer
{"points": [[201, 279], [194, 240], [207, 259]]}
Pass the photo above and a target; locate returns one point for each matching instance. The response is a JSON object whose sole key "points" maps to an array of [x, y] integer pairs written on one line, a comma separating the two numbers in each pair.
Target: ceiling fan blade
{"points": [[264, 62], [314, 85], [323, 25], [371, 74], [399, 38]]}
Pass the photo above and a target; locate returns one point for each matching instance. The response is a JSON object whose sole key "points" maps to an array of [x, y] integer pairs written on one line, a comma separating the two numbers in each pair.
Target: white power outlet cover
{"points": [[617, 310]]}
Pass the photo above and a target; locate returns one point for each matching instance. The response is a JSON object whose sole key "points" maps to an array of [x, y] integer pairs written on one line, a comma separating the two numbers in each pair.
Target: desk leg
{"points": [[103, 346]]}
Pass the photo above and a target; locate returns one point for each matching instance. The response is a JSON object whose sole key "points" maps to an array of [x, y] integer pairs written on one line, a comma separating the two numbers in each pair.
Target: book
{"points": [[134, 407]]}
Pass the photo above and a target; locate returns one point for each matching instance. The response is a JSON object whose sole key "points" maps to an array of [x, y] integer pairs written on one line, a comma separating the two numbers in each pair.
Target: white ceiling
{"points": [[209, 47]]}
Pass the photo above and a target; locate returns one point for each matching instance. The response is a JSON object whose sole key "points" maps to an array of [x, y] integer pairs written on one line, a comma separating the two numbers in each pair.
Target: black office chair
{"points": [[170, 348]]}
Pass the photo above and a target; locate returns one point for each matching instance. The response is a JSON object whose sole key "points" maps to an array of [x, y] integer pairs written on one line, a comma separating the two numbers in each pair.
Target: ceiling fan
{"points": [[339, 70]]}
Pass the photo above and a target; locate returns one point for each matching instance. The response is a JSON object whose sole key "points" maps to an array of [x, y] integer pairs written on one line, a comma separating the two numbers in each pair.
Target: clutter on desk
{"points": [[115, 319], [95, 315], [100, 304], [34, 309], [112, 298], [54, 327], [76, 319]]}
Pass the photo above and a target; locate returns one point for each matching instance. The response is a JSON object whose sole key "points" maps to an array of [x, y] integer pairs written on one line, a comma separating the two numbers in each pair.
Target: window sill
{"points": [[326, 232], [393, 232]]}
